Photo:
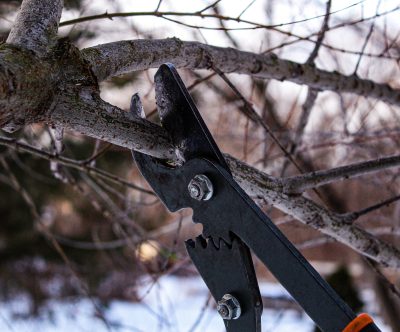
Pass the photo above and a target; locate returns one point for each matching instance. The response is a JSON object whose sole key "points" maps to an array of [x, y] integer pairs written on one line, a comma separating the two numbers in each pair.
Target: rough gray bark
{"points": [[61, 88], [25, 87], [120, 57], [258, 184], [94, 117], [36, 25]]}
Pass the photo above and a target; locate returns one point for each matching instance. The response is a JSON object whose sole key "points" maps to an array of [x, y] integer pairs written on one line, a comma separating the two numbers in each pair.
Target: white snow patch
{"points": [[169, 304]]}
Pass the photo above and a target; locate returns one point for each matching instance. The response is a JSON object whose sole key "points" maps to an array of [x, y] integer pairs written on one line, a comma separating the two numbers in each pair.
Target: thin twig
{"points": [[371, 29], [209, 7], [312, 94], [300, 183], [201, 315], [352, 216], [97, 154], [251, 113], [255, 25], [159, 5], [381, 276], [246, 8], [79, 165], [321, 34]]}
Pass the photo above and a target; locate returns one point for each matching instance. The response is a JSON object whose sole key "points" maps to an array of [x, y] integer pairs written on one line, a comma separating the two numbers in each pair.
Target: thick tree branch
{"points": [[92, 116], [257, 184], [36, 25], [116, 58]]}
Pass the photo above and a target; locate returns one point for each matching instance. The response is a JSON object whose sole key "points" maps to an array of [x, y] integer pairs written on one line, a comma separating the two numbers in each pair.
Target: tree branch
{"points": [[300, 183], [93, 117], [257, 184], [120, 57], [36, 25], [311, 93]]}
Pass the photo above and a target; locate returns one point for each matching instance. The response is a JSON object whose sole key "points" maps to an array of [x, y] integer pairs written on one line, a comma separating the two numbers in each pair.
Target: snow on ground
{"points": [[170, 304]]}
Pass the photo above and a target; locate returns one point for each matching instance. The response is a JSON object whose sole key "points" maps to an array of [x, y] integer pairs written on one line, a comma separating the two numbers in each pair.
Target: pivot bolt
{"points": [[200, 188], [229, 307]]}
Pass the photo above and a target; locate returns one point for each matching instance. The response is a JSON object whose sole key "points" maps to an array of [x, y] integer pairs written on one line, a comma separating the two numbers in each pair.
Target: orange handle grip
{"points": [[359, 323]]}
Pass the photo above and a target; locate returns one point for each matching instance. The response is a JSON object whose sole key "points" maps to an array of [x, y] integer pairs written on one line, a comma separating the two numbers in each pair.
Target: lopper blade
{"points": [[181, 118]]}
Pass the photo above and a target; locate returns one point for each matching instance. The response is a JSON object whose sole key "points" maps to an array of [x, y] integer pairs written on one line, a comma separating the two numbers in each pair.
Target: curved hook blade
{"points": [[181, 118]]}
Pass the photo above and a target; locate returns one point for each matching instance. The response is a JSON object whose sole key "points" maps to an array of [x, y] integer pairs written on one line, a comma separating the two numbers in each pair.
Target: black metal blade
{"points": [[181, 118], [228, 269]]}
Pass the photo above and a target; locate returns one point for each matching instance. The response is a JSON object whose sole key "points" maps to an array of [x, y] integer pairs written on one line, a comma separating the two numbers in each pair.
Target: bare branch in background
{"points": [[371, 29], [352, 216], [312, 94], [253, 26], [300, 183], [251, 113], [79, 165], [41, 228], [321, 34], [199, 13]]}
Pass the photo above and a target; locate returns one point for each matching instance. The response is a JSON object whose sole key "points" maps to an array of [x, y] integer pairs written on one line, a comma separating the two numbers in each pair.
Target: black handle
{"points": [[371, 328]]}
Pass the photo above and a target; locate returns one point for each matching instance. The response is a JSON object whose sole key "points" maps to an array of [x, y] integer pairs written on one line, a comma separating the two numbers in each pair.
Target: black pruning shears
{"points": [[232, 224]]}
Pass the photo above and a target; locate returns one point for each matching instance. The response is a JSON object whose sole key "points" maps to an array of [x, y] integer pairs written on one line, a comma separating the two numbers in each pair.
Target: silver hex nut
{"points": [[229, 307], [200, 188]]}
